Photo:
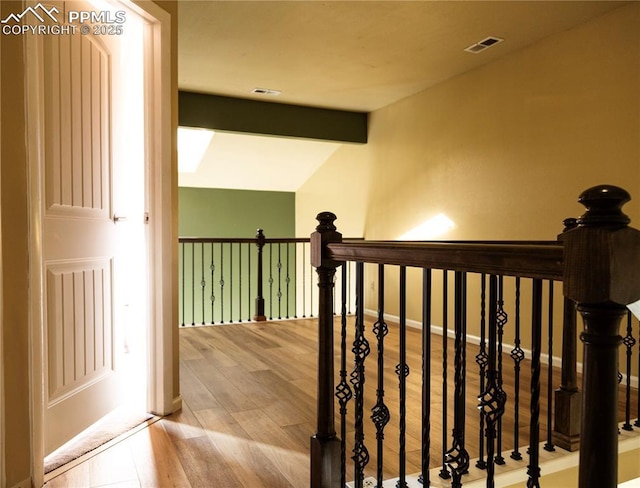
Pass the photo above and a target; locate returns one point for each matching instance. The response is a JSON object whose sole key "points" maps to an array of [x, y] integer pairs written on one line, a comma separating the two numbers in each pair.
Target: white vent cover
{"points": [[483, 44]]}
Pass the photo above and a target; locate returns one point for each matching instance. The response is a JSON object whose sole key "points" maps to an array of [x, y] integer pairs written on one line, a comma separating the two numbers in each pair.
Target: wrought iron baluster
{"points": [[481, 360], [221, 283], [203, 283], [183, 283], [304, 283], [343, 391], [444, 471], [361, 351], [493, 399], [533, 469], [457, 457], [287, 280], [548, 446], [402, 370], [426, 377], [270, 281], [239, 282], [501, 322], [279, 293], [193, 284], [517, 354], [628, 342], [231, 282], [249, 281], [212, 298], [380, 412]]}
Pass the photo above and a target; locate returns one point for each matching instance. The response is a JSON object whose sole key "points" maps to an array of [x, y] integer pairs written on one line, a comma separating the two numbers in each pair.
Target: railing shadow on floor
{"points": [[595, 261]]}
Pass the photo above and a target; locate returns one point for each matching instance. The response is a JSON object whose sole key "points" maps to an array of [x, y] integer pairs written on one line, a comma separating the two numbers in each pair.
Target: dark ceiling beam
{"points": [[268, 118]]}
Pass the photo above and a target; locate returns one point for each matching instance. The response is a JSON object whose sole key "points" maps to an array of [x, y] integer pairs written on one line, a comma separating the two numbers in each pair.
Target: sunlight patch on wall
{"points": [[192, 144], [429, 229]]}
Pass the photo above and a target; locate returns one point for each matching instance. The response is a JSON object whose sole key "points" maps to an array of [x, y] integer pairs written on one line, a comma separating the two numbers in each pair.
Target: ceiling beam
{"points": [[268, 118]]}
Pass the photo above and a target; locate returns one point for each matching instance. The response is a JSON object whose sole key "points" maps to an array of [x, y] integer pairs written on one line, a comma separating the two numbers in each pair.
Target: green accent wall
{"points": [[211, 212]]}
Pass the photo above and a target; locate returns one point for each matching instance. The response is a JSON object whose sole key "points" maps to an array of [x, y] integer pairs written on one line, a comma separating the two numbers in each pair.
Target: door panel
{"points": [[79, 241]]}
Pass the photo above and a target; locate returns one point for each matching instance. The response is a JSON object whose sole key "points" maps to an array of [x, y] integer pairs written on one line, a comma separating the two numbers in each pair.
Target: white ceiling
{"points": [[355, 55]]}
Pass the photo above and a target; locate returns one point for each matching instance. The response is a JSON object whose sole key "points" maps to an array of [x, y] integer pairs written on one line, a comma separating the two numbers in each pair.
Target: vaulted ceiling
{"points": [[354, 55]]}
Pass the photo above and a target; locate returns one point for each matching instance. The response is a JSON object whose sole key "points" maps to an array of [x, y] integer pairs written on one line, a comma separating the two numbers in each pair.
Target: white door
{"points": [[94, 240]]}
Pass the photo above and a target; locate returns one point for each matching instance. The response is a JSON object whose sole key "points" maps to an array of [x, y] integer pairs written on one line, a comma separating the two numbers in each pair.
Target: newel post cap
{"points": [[602, 253], [325, 233]]}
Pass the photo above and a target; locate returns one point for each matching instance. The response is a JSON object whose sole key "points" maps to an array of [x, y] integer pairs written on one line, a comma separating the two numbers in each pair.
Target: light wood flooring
{"points": [[248, 411]]}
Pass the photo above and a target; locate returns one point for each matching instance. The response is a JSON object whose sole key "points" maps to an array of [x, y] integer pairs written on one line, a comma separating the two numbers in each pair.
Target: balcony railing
{"points": [[230, 280], [485, 287]]}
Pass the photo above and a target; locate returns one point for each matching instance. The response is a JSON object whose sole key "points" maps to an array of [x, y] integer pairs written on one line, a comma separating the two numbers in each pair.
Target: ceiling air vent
{"points": [[483, 44], [265, 91]]}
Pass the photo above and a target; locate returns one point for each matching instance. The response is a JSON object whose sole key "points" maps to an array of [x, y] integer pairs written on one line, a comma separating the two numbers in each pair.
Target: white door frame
{"points": [[161, 180]]}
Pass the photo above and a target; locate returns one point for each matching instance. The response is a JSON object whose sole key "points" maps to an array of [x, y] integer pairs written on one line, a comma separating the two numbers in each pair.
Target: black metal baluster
{"points": [[444, 471], [628, 342], [304, 285], [481, 360], [533, 469], [231, 282], [203, 283], [183, 283], [270, 281], [287, 280], [501, 322], [221, 283], [380, 412], [212, 298], [517, 354], [193, 284], [240, 282], [295, 280], [402, 370], [279, 294], [493, 399], [426, 378], [361, 351], [457, 457], [343, 391], [548, 446]]}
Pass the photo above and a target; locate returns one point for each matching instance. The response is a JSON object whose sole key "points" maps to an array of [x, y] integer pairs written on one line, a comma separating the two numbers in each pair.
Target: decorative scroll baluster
{"points": [[271, 281], [533, 469], [517, 354], [426, 378], [628, 342], [501, 322], [361, 351], [380, 412], [279, 293], [457, 457], [481, 360], [259, 315], [221, 283], [493, 399], [304, 282], [203, 283], [343, 390], [212, 298], [402, 370], [548, 446], [444, 471]]}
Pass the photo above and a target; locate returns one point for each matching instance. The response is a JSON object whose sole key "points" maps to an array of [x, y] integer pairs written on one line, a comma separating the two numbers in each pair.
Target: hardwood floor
{"points": [[248, 395]]}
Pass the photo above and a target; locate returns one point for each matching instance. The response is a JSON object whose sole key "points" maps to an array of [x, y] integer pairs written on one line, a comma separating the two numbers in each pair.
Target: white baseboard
{"points": [[471, 339]]}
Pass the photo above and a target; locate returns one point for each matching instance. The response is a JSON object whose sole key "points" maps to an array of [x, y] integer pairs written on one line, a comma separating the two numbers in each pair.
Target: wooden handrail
{"points": [[537, 260]]}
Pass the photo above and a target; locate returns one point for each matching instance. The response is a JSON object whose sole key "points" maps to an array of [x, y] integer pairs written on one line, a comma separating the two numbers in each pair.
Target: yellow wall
{"points": [[503, 150]]}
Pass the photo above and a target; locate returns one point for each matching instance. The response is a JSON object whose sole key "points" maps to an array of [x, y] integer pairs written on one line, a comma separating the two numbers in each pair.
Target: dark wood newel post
{"points": [[567, 411], [601, 256], [325, 446], [259, 310]]}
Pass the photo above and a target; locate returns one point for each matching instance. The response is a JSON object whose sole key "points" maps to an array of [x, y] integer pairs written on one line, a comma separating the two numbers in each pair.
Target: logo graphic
{"points": [[37, 21], [34, 11]]}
